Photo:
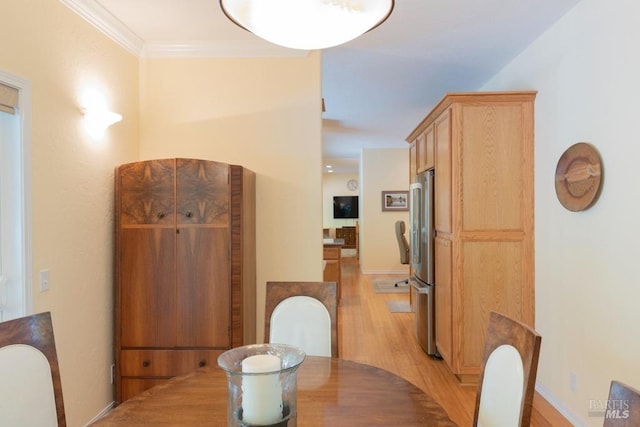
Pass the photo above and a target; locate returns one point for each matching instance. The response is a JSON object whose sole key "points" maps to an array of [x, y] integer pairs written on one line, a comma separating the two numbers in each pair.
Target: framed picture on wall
{"points": [[395, 200]]}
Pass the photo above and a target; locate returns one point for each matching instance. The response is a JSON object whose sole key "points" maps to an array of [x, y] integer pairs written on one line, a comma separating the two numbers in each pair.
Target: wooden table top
{"points": [[331, 392]]}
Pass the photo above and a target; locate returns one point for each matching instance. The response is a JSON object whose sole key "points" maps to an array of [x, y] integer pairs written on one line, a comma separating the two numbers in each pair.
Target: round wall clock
{"points": [[578, 177], [352, 184]]}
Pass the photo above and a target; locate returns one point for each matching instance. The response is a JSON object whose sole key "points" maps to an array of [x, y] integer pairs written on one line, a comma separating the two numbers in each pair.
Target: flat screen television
{"points": [[345, 206]]}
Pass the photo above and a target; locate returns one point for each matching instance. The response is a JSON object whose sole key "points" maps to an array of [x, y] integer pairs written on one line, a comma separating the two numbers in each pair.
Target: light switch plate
{"points": [[44, 280]]}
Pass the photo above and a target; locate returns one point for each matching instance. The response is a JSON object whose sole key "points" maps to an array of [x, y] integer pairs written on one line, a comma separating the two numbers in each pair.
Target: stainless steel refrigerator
{"points": [[422, 234]]}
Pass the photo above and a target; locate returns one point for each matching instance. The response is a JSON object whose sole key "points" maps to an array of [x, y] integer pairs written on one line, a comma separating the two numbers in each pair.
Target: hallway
{"points": [[370, 333]]}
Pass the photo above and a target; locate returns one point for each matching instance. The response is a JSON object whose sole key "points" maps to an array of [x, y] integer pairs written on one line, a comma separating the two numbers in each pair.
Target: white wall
{"points": [[335, 184], [586, 69], [381, 170]]}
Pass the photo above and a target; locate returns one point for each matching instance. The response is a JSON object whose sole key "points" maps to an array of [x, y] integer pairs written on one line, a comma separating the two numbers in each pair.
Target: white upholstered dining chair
{"points": [[302, 314], [508, 374], [30, 386]]}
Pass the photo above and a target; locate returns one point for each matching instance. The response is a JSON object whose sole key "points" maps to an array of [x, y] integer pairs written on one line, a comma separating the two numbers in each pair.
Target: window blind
{"points": [[8, 99]]}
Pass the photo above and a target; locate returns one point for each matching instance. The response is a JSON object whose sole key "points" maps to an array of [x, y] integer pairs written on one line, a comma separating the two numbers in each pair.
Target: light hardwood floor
{"points": [[370, 333]]}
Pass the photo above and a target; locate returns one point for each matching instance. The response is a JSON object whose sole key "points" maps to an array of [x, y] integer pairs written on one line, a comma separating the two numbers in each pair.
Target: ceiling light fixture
{"points": [[307, 24]]}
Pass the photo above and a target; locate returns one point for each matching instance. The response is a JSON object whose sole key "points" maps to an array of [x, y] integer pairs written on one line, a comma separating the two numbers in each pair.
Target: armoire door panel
{"points": [[203, 290], [147, 193], [147, 274], [202, 192]]}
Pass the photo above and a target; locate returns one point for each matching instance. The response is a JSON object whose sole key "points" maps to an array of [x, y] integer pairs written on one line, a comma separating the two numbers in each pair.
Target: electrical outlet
{"points": [[113, 373], [44, 280], [573, 382]]}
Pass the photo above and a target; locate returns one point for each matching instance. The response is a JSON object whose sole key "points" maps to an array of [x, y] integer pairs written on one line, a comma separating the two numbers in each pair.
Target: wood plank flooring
{"points": [[370, 333]]}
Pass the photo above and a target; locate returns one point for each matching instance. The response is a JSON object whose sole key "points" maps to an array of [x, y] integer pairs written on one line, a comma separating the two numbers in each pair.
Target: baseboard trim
{"points": [[403, 272], [547, 403], [102, 413]]}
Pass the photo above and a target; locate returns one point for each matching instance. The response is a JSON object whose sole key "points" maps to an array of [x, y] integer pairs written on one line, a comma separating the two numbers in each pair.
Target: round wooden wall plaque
{"points": [[578, 177]]}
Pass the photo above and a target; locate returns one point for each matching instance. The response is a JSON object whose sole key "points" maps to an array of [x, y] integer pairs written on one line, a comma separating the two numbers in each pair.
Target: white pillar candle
{"points": [[261, 394]]}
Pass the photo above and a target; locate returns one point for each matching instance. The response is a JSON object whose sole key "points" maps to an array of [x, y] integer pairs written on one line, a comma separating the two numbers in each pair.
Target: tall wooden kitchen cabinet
{"points": [[185, 278], [484, 218]]}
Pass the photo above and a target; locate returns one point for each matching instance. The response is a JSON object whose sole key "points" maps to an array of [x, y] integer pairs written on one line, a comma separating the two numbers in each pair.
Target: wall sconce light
{"points": [[96, 121], [97, 117]]}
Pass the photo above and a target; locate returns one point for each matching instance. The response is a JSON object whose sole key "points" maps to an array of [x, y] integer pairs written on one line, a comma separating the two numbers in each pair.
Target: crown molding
{"points": [[111, 26], [104, 21], [226, 49]]}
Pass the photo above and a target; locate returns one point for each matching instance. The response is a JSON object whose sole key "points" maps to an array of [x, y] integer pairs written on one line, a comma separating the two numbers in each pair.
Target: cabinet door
{"points": [[333, 267], [348, 233], [203, 291], [147, 291], [202, 193], [443, 298], [421, 153], [146, 193], [203, 287], [429, 152], [412, 161], [425, 146], [145, 207], [443, 176]]}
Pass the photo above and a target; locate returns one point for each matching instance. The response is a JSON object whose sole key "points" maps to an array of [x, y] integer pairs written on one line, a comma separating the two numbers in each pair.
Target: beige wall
{"points": [[72, 183], [587, 293], [263, 114], [381, 170]]}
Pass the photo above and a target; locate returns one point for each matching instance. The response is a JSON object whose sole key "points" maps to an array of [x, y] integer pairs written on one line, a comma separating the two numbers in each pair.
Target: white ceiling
{"points": [[376, 88]]}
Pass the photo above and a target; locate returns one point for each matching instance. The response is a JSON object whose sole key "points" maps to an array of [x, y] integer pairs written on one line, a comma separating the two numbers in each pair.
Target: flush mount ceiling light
{"points": [[307, 24]]}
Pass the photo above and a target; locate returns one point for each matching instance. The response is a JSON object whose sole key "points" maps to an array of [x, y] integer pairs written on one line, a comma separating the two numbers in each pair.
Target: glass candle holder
{"points": [[262, 384]]}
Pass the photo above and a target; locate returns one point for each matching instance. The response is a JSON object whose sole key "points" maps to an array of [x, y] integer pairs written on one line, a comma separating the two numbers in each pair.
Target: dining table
{"points": [[330, 392]]}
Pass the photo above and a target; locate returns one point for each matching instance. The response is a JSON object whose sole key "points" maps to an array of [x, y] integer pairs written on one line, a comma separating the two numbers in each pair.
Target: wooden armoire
{"points": [[481, 148], [185, 278]]}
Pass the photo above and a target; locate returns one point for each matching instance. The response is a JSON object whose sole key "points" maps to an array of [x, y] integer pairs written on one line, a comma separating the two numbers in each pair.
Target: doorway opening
{"points": [[15, 198]]}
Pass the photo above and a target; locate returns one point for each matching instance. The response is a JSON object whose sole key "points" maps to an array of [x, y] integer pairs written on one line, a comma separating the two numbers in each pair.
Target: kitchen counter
{"points": [[333, 242]]}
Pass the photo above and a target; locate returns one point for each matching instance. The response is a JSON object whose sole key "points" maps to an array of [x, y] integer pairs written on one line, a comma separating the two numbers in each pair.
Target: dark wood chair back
{"points": [[504, 331], [623, 406], [403, 244], [325, 292], [37, 331]]}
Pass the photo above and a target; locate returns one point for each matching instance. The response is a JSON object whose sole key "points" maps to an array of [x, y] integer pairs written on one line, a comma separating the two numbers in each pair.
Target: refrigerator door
{"points": [[421, 226], [428, 230], [423, 306], [415, 225]]}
